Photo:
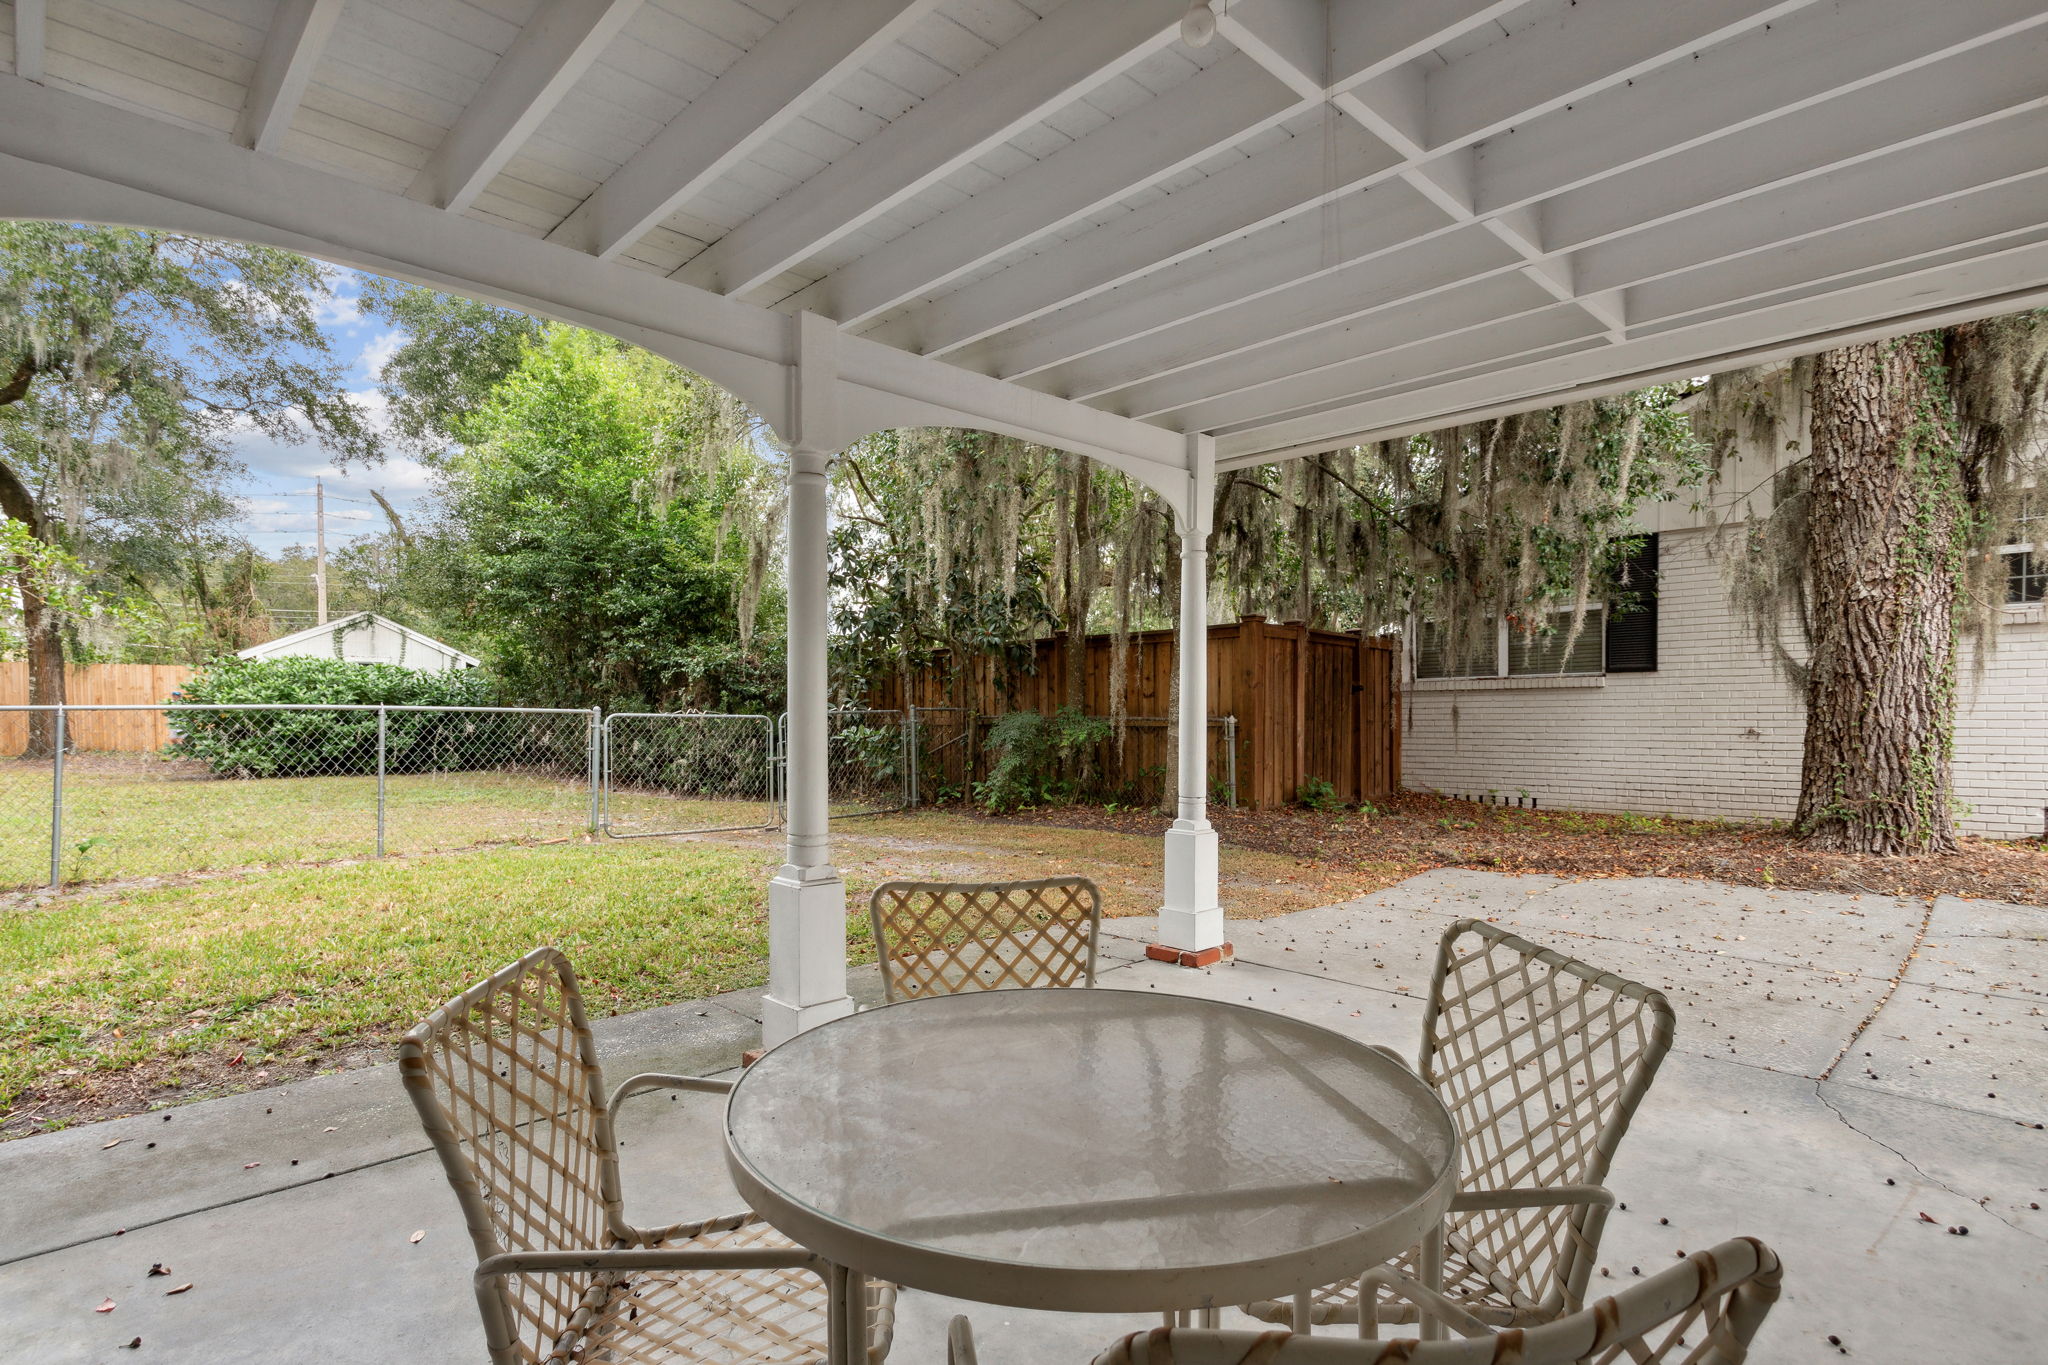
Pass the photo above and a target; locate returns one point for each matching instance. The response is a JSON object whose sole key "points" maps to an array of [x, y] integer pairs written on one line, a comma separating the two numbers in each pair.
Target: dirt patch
{"points": [[1417, 831]]}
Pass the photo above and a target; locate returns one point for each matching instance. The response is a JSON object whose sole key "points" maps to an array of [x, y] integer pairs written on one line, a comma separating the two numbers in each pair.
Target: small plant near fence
{"points": [[1317, 794]]}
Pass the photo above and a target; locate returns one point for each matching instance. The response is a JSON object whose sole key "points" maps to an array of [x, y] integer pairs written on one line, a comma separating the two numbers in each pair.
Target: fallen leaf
{"points": [[106, 1306], [159, 1268], [115, 1143], [423, 1232], [179, 1290], [1925, 1219], [251, 1165]]}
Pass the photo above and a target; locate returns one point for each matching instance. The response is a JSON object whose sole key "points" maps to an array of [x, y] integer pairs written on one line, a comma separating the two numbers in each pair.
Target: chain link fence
{"points": [[668, 773], [94, 792]]}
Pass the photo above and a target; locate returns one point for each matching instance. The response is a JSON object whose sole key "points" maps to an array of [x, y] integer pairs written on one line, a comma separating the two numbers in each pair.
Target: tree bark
{"points": [[1080, 585], [1885, 542], [41, 640]]}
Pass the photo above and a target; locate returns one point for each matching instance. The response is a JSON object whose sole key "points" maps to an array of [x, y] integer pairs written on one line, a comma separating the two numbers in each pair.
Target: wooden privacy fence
{"points": [[96, 685], [1308, 704]]}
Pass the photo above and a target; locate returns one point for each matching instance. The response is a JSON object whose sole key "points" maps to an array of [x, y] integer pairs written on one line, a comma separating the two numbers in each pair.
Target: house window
{"points": [[1546, 652], [2026, 559], [1632, 617], [1434, 657]]}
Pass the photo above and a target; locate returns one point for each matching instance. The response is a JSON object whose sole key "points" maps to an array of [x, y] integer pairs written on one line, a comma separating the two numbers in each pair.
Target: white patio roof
{"points": [[1341, 219]]}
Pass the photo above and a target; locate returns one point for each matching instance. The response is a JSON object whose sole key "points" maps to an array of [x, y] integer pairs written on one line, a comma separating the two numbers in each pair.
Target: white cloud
{"points": [[378, 351]]}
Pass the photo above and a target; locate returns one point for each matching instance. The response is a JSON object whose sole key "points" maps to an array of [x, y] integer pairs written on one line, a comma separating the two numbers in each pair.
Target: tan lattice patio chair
{"points": [[506, 1080], [940, 938], [1703, 1311], [1541, 1060]]}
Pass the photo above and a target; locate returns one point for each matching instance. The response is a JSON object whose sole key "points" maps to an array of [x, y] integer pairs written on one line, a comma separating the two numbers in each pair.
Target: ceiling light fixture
{"points": [[1198, 25]]}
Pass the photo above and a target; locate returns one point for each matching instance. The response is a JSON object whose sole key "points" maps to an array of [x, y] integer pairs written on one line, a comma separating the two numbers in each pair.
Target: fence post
{"points": [[57, 806], [1230, 752], [594, 757], [382, 718], [910, 758]]}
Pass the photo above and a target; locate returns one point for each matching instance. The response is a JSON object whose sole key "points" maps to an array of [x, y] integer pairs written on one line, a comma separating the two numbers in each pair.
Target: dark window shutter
{"points": [[1632, 634]]}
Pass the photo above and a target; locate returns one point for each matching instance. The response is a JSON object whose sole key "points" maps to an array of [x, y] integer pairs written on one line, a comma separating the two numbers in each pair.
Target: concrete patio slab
{"points": [[1986, 946], [287, 1263]]}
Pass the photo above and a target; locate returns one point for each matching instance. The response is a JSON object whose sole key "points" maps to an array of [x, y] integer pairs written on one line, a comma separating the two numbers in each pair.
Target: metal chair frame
{"points": [[506, 1081], [941, 938], [1543, 1060], [1705, 1310]]}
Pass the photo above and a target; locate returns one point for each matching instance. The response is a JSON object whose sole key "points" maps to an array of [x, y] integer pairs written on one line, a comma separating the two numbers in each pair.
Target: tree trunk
{"points": [[43, 643], [1885, 528], [1081, 572]]}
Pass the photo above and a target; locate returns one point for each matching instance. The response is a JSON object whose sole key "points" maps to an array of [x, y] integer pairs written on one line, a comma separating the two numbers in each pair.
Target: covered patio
{"points": [[1767, 1119], [1105, 229]]}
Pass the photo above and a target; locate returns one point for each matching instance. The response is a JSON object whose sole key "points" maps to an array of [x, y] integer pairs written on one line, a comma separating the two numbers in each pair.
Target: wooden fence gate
{"points": [[1309, 704]]}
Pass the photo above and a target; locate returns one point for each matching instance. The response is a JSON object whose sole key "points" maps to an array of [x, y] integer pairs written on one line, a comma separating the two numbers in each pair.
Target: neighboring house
{"points": [[365, 638], [1676, 709]]}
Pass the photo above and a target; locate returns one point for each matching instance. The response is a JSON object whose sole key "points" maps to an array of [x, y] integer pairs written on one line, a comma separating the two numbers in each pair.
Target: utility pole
{"points": [[320, 551]]}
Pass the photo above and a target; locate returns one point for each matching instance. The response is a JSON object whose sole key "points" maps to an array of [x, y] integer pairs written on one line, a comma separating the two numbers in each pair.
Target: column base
{"points": [[806, 953], [1191, 920], [1190, 957]]}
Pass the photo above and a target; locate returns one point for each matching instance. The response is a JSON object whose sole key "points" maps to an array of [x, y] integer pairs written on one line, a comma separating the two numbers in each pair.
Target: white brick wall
{"points": [[1715, 731]]}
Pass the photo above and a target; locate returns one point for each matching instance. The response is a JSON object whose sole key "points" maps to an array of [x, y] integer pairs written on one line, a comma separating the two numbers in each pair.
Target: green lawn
{"points": [[134, 816], [296, 961]]}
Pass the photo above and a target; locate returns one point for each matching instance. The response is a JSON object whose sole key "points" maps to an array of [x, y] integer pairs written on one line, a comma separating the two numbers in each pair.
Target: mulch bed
{"points": [[1423, 831]]}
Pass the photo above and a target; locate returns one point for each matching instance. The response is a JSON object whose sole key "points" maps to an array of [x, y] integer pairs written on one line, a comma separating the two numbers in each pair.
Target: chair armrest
{"points": [[960, 1341], [656, 1080], [645, 1258], [1425, 1300], [1531, 1197]]}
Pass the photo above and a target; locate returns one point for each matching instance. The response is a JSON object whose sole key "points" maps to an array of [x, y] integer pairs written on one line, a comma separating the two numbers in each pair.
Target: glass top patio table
{"points": [[1091, 1150]]}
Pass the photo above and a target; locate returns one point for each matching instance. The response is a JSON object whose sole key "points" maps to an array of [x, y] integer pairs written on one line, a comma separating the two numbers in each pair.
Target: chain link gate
{"points": [[869, 759], [688, 773]]}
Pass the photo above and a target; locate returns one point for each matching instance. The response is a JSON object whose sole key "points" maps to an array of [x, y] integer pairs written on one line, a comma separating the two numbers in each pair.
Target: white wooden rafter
{"points": [[564, 40], [31, 35], [771, 85], [291, 50]]}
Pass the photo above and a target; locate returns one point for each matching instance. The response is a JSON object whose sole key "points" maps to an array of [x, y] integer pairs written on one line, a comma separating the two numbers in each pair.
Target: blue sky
{"points": [[277, 490]]}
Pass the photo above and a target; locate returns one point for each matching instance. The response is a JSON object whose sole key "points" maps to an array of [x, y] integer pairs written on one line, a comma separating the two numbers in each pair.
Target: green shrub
{"points": [[1032, 751], [1317, 794], [304, 743]]}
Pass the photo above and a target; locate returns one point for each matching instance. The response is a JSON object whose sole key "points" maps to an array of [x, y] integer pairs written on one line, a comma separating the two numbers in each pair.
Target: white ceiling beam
{"points": [[2004, 210], [291, 51], [1399, 270], [1210, 110], [563, 41], [1299, 374], [1997, 282], [75, 159], [1871, 123], [1236, 347], [1540, 330], [1862, 192], [1354, 228], [1405, 323], [1279, 183], [31, 30], [1056, 60], [1804, 59], [1588, 46], [770, 86]]}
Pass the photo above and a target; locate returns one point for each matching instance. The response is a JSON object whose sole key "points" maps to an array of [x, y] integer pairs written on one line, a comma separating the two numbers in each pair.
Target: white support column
{"points": [[807, 898], [1191, 920]]}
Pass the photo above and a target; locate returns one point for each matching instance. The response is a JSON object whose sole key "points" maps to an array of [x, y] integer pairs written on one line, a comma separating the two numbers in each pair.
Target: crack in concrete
{"points": [[1981, 1205]]}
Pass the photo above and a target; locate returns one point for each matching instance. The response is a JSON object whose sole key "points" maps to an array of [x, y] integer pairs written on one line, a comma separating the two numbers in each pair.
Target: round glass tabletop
{"points": [[1091, 1150]]}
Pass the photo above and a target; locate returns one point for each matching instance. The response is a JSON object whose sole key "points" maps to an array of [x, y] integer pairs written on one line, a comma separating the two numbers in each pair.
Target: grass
{"points": [[141, 817], [295, 963]]}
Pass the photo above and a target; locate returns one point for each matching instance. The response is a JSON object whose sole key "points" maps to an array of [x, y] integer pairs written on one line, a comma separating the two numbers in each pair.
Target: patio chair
{"points": [[1703, 1311], [941, 938], [506, 1080], [1542, 1060]]}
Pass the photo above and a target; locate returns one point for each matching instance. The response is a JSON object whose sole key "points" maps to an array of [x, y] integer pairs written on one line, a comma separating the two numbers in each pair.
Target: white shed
{"points": [[365, 638]]}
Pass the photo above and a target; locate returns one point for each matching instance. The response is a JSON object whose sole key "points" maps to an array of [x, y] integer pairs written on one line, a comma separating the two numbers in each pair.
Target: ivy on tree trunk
{"points": [[1887, 522]]}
